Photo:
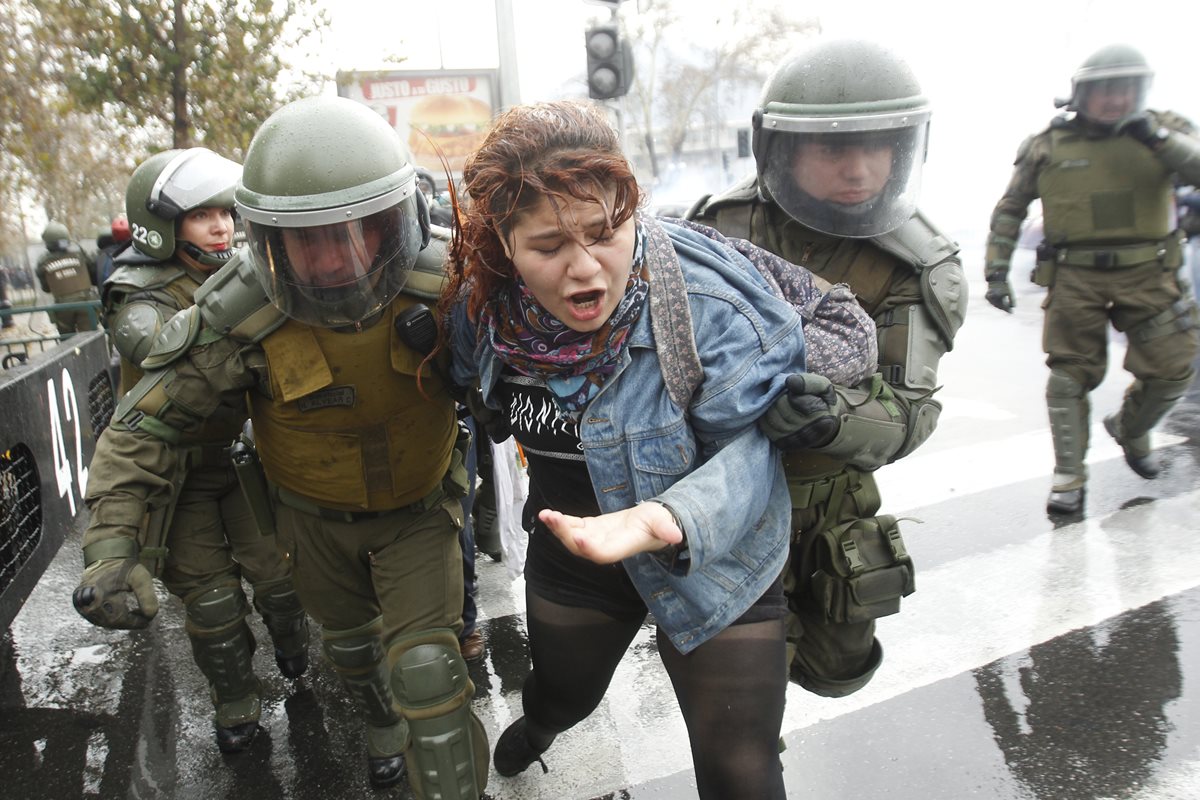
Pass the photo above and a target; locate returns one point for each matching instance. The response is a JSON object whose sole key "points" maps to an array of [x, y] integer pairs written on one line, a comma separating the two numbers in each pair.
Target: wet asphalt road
{"points": [[1041, 659]]}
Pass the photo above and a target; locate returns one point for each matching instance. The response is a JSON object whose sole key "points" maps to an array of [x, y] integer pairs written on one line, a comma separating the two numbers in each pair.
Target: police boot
{"points": [[1068, 408], [287, 624], [448, 754], [223, 648], [357, 657], [1146, 403]]}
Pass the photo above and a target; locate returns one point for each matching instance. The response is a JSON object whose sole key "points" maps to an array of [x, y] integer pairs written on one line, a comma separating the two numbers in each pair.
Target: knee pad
{"points": [[215, 608], [448, 755], [282, 614], [357, 657], [1062, 385], [223, 647]]}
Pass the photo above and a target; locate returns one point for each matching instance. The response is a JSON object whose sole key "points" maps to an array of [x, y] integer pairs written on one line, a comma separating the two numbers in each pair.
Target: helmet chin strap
{"points": [[199, 259]]}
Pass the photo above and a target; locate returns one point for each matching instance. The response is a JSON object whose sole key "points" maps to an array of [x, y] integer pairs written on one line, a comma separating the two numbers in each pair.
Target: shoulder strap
{"points": [[671, 317]]}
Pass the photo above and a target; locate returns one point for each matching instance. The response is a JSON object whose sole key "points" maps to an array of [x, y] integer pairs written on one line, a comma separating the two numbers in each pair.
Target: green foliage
{"points": [[90, 88], [209, 71]]}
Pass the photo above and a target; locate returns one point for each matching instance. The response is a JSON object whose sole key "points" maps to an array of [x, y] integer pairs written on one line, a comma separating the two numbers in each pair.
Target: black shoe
{"points": [[1067, 502], [514, 753], [236, 738], [385, 771], [1147, 466], [292, 667]]}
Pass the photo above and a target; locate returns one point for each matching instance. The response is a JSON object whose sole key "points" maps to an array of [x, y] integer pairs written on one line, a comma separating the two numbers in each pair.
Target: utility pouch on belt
{"points": [[1043, 270], [862, 570], [253, 480]]}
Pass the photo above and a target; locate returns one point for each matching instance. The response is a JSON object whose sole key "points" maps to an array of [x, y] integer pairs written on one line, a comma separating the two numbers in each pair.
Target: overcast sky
{"points": [[992, 70]]}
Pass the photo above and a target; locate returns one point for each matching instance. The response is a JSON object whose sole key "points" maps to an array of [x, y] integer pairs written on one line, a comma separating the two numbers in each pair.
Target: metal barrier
{"points": [[48, 432], [17, 349]]}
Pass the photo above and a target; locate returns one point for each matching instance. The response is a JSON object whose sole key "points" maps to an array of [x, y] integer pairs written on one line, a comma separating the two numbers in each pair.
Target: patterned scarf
{"points": [[572, 364]]}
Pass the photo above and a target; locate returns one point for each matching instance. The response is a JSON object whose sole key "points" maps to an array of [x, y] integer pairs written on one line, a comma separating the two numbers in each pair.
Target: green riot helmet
{"points": [[56, 237], [1111, 85], [840, 136], [167, 186], [334, 220]]}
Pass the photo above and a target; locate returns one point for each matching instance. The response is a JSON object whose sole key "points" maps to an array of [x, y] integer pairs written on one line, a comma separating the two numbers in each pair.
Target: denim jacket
{"points": [[709, 463]]}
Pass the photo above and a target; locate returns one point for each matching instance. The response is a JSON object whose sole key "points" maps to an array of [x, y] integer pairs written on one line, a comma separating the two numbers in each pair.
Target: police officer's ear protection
{"points": [[423, 217]]}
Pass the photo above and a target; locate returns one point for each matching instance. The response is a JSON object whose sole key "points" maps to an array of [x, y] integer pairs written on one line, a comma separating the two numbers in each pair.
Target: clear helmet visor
{"points": [[845, 181], [1110, 99], [339, 274], [196, 177]]}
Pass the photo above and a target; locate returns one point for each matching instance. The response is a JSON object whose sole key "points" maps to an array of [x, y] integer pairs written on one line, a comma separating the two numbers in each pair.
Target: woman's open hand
{"points": [[608, 538]]}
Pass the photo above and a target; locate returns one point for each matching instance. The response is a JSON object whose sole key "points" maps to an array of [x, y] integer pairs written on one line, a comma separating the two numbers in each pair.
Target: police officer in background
{"points": [[108, 245], [63, 271], [180, 203], [1104, 170], [839, 142], [319, 320]]}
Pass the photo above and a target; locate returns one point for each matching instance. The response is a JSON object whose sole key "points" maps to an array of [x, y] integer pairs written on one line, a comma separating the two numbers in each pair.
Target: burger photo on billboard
{"points": [[449, 125]]}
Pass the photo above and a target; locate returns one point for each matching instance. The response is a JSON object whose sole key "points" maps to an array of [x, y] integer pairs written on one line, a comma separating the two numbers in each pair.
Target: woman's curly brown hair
{"points": [[562, 151]]}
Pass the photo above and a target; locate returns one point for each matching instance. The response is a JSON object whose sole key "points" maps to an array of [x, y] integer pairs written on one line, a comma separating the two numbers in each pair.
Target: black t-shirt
{"points": [[558, 479]]}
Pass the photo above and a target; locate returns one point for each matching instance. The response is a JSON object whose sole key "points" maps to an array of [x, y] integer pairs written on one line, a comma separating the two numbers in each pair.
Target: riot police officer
{"points": [[357, 436], [179, 204], [839, 142], [63, 272], [1104, 171]]}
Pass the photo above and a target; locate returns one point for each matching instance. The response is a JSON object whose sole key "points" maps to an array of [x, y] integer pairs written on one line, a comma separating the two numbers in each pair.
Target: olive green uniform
{"points": [[360, 456], [65, 275], [1110, 254], [911, 282], [211, 540]]}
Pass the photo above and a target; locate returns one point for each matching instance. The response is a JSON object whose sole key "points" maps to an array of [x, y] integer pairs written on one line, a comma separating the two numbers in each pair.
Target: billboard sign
{"points": [[436, 112]]}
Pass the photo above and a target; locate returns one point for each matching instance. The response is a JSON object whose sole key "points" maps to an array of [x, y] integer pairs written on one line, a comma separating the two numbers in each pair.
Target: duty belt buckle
{"points": [[1105, 259]]}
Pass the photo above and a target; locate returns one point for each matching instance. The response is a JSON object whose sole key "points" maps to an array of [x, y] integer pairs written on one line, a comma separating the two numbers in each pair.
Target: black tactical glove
{"points": [[116, 593], [807, 415], [1142, 128], [1000, 294]]}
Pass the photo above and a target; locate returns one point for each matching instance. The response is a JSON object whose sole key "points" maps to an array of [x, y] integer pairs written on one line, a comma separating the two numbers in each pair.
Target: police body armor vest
{"points": [[1110, 190], [344, 432], [883, 272], [66, 274]]}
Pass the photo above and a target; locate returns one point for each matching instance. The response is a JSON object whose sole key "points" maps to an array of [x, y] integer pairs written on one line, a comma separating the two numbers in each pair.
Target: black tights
{"points": [[730, 690]]}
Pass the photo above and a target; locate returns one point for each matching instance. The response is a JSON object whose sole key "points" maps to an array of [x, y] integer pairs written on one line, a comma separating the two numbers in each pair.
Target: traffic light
{"points": [[609, 62]]}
